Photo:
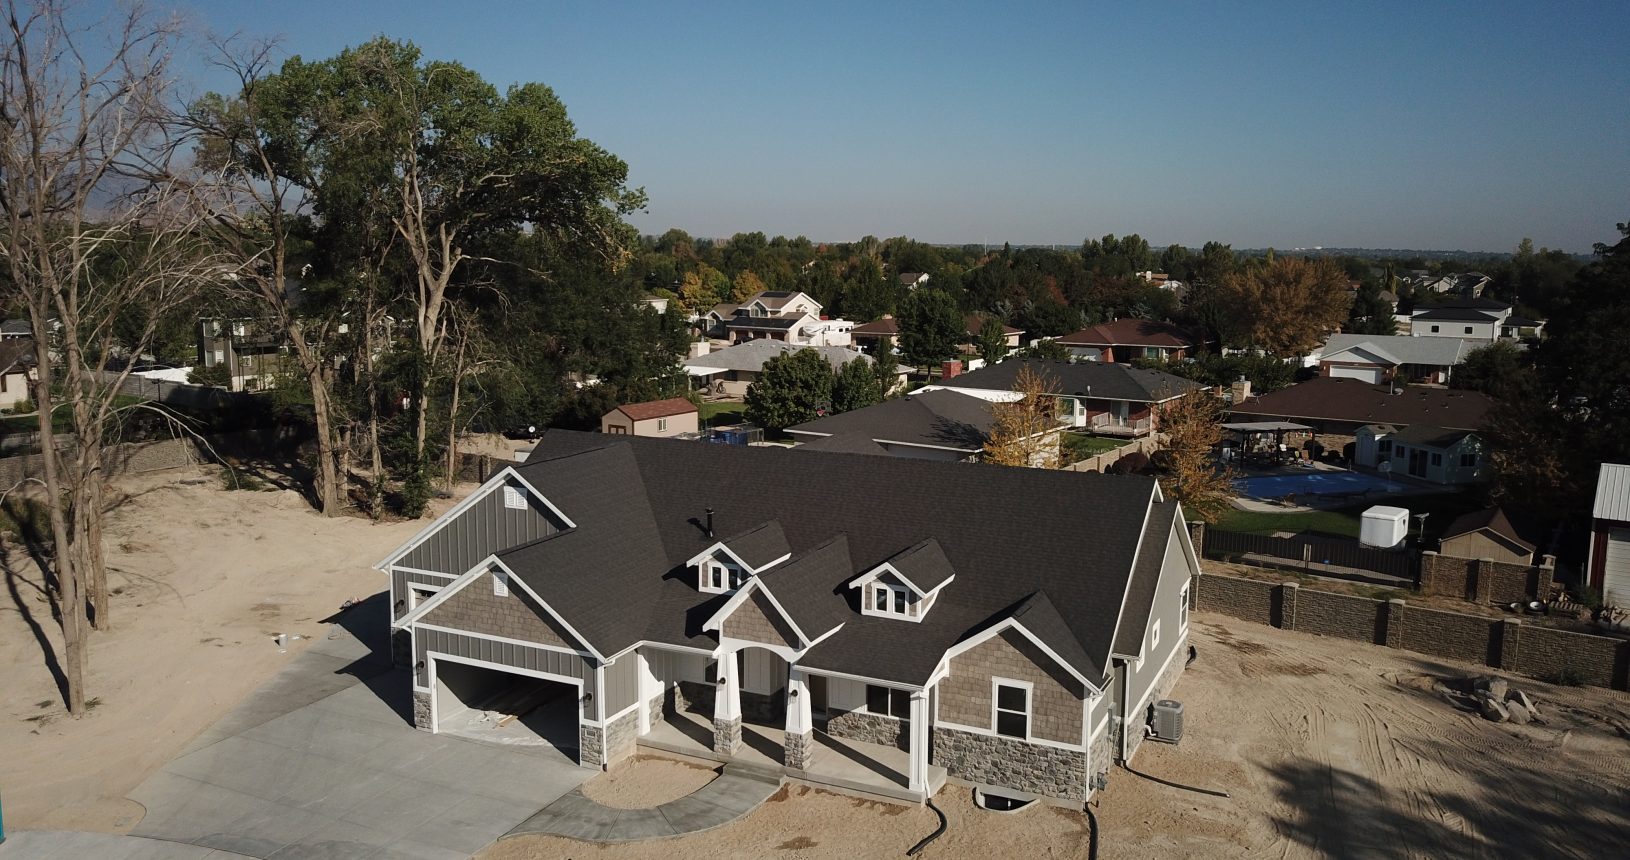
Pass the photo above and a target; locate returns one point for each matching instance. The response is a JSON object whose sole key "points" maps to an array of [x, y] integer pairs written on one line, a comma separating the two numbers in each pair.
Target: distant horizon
{"points": [[1447, 125]]}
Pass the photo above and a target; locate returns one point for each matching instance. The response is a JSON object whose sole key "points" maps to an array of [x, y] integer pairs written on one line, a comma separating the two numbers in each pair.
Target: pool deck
{"points": [[1401, 487]]}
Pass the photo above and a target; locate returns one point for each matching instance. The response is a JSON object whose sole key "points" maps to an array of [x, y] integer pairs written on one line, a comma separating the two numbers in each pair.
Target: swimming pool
{"points": [[1312, 483]]}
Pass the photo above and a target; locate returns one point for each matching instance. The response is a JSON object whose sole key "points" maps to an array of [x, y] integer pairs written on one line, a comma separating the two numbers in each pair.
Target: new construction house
{"points": [[867, 622]]}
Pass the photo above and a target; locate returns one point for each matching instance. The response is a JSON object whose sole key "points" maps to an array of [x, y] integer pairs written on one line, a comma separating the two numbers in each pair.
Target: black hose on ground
{"points": [[1211, 792], [938, 831], [1092, 834]]}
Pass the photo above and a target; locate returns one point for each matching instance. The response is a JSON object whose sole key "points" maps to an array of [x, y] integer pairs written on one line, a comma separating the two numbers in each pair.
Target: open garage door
{"points": [[493, 705]]}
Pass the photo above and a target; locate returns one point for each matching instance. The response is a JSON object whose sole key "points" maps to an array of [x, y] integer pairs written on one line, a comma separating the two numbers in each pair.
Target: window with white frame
{"points": [[889, 599], [718, 577], [888, 702], [1183, 608], [662, 425], [500, 583], [1010, 707], [514, 499], [1154, 636]]}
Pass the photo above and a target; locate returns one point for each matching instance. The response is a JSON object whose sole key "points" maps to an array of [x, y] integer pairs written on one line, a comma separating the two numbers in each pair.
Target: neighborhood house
{"points": [[938, 424], [1421, 451], [1392, 358], [1124, 341], [791, 317], [716, 599], [1334, 405], [885, 333], [729, 371], [671, 417], [1111, 399]]}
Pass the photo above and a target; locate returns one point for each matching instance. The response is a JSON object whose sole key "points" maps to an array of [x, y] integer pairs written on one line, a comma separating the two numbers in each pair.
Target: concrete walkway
{"points": [[735, 793], [323, 762], [76, 845]]}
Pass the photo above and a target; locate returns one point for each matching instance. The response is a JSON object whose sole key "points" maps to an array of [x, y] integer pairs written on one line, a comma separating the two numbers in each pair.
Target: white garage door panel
{"points": [[1368, 374], [1616, 569]]}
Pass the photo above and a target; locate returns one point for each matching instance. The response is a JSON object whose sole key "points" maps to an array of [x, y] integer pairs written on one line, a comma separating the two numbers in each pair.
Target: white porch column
{"points": [[798, 748], [917, 779], [648, 688], [727, 706]]}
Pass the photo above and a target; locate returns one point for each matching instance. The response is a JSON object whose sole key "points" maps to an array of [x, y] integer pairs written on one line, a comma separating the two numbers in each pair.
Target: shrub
{"points": [[1588, 597], [1568, 676], [216, 375], [23, 406]]}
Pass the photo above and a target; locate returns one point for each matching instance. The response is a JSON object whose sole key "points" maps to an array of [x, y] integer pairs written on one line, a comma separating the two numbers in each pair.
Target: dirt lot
{"points": [[1328, 748], [204, 579]]}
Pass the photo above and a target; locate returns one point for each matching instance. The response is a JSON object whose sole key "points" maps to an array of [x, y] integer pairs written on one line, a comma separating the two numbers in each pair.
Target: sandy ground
{"points": [[1327, 748], [647, 780], [204, 579]]}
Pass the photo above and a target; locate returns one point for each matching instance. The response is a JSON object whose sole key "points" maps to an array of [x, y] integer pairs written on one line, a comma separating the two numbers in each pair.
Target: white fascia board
{"points": [[560, 619], [1004, 625], [481, 492], [1126, 592], [925, 445], [715, 621], [447, 591], [719, 546]]}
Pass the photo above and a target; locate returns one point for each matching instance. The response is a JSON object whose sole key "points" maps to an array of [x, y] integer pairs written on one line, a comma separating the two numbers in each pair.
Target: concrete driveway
{"points": [[324, 763]]}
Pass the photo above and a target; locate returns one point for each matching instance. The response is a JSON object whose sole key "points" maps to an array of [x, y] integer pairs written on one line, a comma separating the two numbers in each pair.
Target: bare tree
{"points": [[92, 232]]}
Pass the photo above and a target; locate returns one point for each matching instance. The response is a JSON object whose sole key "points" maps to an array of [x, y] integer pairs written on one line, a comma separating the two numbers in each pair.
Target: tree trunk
{"points": [[70, 594]]}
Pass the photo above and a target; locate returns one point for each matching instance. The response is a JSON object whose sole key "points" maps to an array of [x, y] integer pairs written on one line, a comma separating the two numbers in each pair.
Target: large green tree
{"points": [[992, 340], [792, 388], [931, 327], [855, 386]]}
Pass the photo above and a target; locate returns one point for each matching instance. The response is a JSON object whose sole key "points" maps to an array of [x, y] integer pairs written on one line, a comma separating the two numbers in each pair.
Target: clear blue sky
{"points": [[1419, 124]]}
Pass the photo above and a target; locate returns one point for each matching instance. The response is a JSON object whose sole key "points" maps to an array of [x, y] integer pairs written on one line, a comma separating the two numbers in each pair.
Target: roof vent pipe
{"points": [[710, 522]]}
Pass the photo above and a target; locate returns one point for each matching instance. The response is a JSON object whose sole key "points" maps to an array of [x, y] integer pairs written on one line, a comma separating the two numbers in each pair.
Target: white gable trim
{"points": [[719, 546], [491, 485], [716, 623], [997, 629], [561, 620], [871, 575], [448, 590], [1120, 614]]}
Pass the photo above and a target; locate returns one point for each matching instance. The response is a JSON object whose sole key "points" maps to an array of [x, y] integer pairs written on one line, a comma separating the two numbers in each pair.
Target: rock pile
{"points": [[1493, 698]]}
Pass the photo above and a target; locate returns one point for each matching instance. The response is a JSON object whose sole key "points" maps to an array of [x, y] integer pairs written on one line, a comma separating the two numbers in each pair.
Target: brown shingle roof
{"points": [[657, 408], [1492, 519], [1329, 398], [1130, 332], [890, 326]]}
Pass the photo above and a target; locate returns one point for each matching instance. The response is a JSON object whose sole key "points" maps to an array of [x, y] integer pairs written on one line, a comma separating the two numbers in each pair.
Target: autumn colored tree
{"points": [[1287, 305], [747, 285], [1025, 432], [1190, 428]]}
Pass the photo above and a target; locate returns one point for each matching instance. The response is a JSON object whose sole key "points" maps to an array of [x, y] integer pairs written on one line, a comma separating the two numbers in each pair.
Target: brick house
{"points": [[729, 604], [1124, 341]]}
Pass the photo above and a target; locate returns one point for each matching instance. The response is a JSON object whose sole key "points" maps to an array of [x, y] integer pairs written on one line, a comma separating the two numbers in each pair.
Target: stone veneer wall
{"points": [[693, 697], [591, 746], [869, 728], [1010, 763], [798, 750], [620, 735], [1504, 643], [656, 708], [1485, 580], [422, 710]]}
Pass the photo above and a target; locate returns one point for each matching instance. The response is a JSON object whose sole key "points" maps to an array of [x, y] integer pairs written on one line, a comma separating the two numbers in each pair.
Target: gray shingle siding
{"points": [[484, 528]]}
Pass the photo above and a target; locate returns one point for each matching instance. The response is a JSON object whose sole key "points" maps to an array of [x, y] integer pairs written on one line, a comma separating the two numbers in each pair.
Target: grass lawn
{"points": [[1084, 445], [721, 413], [1344, 522]]}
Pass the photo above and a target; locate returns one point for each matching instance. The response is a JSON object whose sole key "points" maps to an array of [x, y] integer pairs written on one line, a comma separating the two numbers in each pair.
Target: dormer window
{"points": [[890, 599], [719, 577]]}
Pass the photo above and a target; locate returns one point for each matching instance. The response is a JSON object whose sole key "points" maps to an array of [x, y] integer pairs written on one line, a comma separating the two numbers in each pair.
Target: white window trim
{"points": [[866, 704], [662, 425], [500, 583], [1183, 610], [1029, 706], [914, 611], [514, 498], [1154, 635], [731, 576]]}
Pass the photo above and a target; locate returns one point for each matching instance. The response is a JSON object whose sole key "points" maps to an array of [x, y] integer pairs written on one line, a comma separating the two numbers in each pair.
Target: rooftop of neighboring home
{"points": [[940, 418], [773, 301], [1427, 436], [888, 326], [910, 278], [1355, 401], [1456, 314], [656, 408], [750, 356], [1098, 380], [1396, 349], [638, 506], [1491, 520], [1130, 332]]}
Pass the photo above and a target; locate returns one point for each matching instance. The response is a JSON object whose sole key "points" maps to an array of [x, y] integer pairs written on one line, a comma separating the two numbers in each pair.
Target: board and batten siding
{"points": [[489, 526], [402, 580], [1166, 616], [622, 684], [503, 653]]}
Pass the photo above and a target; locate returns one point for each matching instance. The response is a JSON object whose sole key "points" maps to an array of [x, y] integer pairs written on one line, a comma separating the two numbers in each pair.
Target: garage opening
{"points": [[504, 707]]}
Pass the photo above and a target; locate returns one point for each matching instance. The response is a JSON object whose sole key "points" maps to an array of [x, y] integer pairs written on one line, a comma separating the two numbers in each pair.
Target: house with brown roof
{"points": [[1126, 340], [670, 417], [787, 316], [796, 612], [886, 331], [1341, 406]]}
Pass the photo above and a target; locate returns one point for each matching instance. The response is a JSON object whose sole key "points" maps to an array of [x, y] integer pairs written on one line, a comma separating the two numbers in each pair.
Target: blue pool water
{"points": [[1310, 483]]}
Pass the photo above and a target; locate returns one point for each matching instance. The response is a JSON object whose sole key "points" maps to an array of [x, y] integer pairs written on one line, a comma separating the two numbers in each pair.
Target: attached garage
{"points": [[1372, 375], [505, 705]]}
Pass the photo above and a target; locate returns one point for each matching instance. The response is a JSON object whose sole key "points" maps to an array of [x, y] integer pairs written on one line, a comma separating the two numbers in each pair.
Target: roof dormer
{"points": [[728, 564], [905, 586]]}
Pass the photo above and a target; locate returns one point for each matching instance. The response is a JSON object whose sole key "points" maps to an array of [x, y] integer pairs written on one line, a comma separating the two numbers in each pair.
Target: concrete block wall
{"points": [[1485, 580], [1504, 643]]}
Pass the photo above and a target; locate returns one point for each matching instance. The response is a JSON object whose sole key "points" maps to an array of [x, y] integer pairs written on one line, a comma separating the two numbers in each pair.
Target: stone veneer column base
{"points": [[726, 736], [421, 711], [620, 736], [799, 750], [590, 746], [1011, 763]]}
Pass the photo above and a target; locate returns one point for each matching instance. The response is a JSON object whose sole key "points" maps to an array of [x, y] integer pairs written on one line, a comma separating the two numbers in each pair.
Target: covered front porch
{"points": [[848, 765]]}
